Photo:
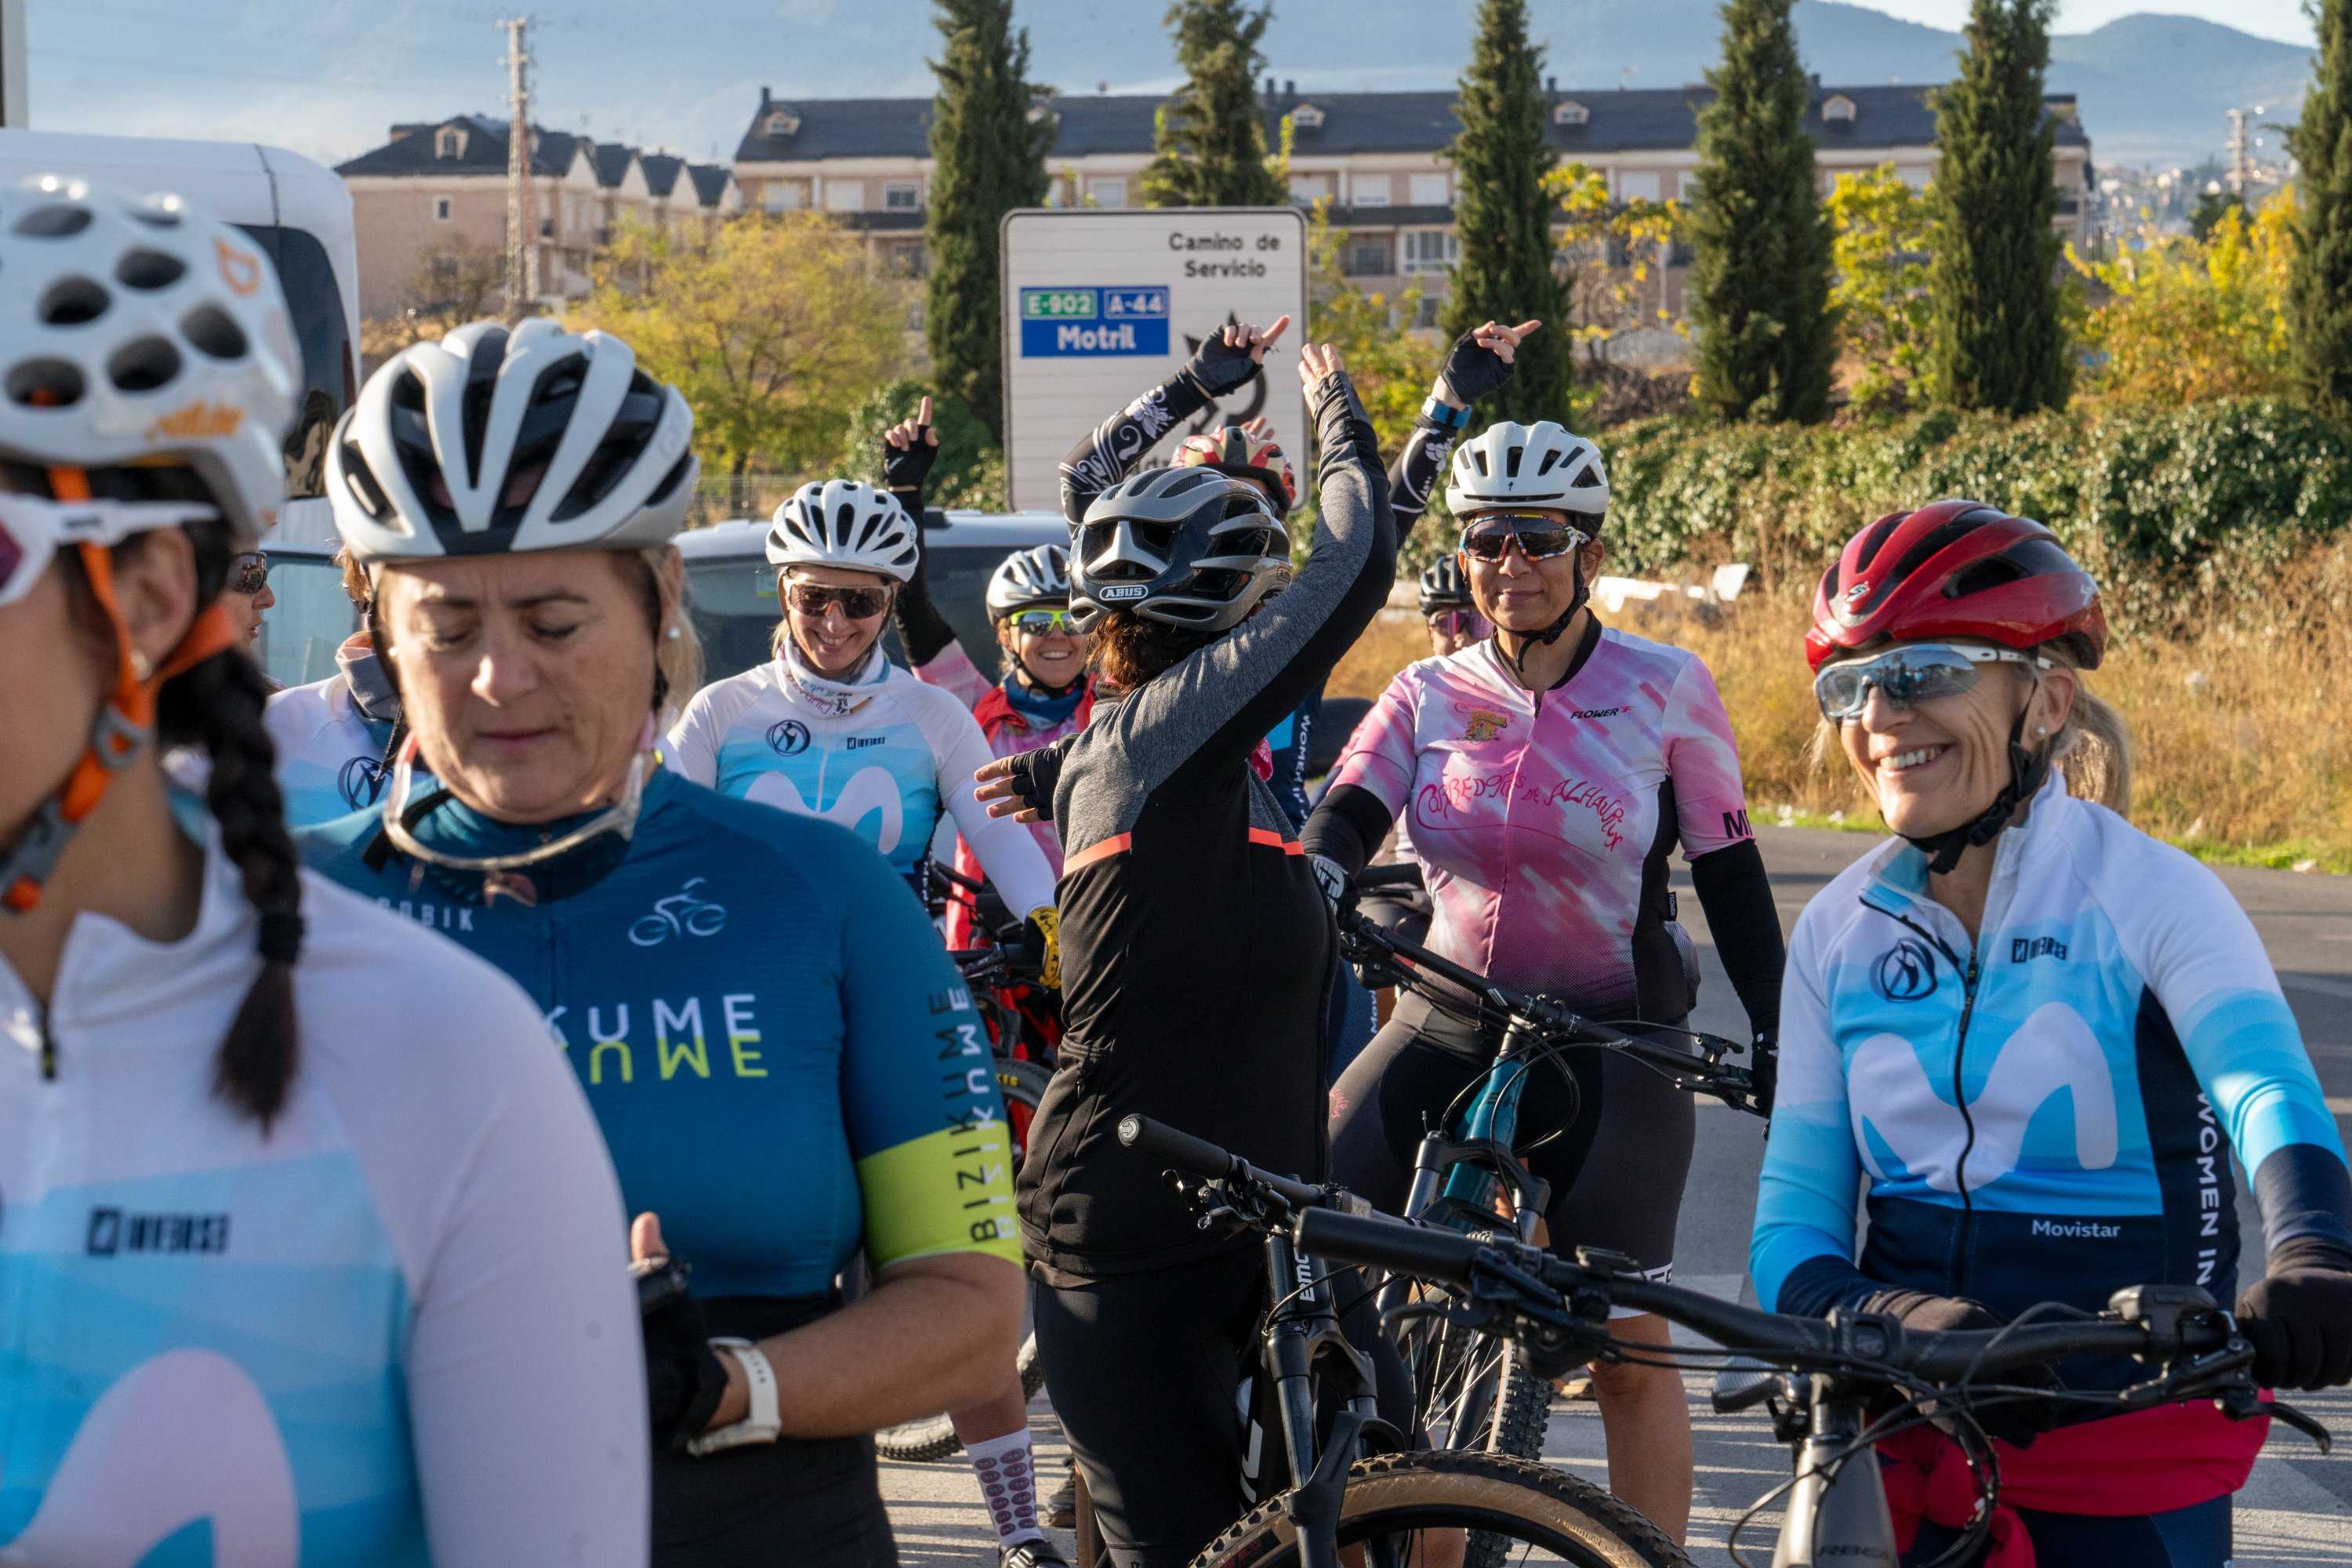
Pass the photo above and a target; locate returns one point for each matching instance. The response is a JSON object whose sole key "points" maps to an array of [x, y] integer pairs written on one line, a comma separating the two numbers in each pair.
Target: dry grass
{"points": [[2243, 732]]}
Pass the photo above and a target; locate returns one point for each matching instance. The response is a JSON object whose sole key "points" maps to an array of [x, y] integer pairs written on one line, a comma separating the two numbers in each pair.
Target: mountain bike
{"points": [[1823, 1373], [1471, 1388], [1312, 1392]]}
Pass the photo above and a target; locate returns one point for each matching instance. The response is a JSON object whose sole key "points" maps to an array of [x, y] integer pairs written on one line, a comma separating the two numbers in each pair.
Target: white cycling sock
{"points": [[1008, 1485]]}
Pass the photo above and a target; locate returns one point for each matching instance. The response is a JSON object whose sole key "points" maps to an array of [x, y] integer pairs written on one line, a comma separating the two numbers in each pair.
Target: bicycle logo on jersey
{"points": [[684, 913], [1907, 972], [362, 781], [788, 737]]}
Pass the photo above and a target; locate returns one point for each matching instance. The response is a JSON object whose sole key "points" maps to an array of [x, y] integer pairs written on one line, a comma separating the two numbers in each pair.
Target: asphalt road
{"points": [[2297, 1508]]}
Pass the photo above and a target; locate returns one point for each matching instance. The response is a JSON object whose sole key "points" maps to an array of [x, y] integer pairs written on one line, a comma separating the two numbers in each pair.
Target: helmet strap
{"points": [[1551, 633], [2027, 771], [124, 724]]}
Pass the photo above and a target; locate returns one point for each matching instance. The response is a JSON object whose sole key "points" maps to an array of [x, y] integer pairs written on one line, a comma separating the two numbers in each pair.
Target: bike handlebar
{"points": [[1850, 1341], [1378, 879], [1199, 1157]]}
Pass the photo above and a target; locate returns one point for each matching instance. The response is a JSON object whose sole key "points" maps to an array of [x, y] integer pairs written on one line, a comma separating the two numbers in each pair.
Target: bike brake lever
{"points": [[2240, 1404]]}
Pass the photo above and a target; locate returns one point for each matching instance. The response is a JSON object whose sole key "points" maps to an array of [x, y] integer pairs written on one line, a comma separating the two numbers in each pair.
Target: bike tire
{"points": [[1473, 1391], [1023, 1085], [1390, 1498]]}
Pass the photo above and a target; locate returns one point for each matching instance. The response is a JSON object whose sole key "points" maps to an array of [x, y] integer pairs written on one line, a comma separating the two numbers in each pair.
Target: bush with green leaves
{"points": [[970, 469], [2179, 512]]}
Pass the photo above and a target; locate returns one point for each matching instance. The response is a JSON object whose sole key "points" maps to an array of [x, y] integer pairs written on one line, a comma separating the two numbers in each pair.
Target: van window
{"points": [[315, 297], [312, 616]]}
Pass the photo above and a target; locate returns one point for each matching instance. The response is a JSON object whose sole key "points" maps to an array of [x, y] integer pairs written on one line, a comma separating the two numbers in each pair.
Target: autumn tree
{"points": [[2189, 321], [774, 328], [1880, 232]]}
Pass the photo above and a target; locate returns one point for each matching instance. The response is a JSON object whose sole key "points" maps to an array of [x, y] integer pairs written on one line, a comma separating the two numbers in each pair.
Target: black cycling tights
{"points": [[2193, 1537]]}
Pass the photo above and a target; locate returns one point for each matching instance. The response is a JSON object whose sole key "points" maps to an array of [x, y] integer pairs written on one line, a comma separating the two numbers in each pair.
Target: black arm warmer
{"points": [[922, 630], [1348, 826], [1737, 898]]}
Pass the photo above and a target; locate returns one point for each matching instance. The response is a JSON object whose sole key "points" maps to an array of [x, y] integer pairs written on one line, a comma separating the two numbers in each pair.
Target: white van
{"points": [[300, 214]]}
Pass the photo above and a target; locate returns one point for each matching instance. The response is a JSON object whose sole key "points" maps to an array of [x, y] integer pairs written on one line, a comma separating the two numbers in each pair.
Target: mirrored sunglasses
{"points": [[1041, 623], [249, 572], [1539, 538], [815, 598], [1911, 673]]}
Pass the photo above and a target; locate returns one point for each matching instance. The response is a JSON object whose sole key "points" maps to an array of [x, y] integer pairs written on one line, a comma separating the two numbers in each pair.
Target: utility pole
{"points": [[522, 247], [2241, 149], [14, 112]]}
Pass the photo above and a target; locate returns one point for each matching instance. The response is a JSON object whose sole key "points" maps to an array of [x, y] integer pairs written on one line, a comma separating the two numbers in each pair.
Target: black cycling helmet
{"points": [[1189, 547], [1442, 587]]}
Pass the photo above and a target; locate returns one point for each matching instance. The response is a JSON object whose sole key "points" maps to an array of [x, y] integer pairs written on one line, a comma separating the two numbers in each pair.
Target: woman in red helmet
{"points": [[2027, 1027]]}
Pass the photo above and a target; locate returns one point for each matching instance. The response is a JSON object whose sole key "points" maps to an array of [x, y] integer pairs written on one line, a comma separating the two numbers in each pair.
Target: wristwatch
{"points": [[763, 1421], [1444, 415]]}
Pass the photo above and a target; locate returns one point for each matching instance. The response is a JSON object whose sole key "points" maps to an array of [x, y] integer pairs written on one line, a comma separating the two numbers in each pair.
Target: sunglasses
{"points": [[1539, 538], [249, 572], [1910, 674], [33, 529], [1040, 623], [857, 604], [1454, 623]]}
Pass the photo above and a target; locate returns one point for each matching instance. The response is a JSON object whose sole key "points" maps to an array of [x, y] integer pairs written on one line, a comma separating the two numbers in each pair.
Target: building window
{"points": [[1368, 191], [1307, 117], [1425, 313], [902, 196], [905, 258], [547, 228], [1637, 185], [1429, 191], [1917, 175], [449, 143], [1430, 250], [1570, 112], [1107, 193], [1837, 108], [1371, 256], [780, 121], [844, 195], [1687, 184], [1308, 189], [440, 209], [444, 273]]}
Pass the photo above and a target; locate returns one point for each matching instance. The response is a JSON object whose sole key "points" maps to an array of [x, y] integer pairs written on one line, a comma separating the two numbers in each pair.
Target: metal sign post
{"points": [[16, 107], [1100, 305]]}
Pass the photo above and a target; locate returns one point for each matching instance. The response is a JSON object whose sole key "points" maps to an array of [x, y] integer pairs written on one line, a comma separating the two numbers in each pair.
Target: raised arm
{"points": [[908, 449], [1224, 363], [1478, 363]]}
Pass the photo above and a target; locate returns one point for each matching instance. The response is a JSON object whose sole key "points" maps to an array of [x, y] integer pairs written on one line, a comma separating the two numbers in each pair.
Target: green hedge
{"points": [[2177, 512]]}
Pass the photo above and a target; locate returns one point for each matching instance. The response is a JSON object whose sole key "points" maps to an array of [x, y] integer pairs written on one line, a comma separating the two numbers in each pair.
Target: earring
{"points": [[2041, 731], [673, 633], [141, 667]]}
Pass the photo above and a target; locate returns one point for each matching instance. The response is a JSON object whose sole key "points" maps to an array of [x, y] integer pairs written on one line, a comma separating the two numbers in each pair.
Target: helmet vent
{"points": [[144, 365], [1511, 460], [213, 332], [1552, 459], [147, 270], [70, 302], [45, 383], [157, 217], [1480, 457], [60, 221], [1589, 479]]}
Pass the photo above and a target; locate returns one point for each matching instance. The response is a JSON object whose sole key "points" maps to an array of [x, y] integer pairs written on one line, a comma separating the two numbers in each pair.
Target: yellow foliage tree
{"points": [[1880, 233], [1616, 248], [2186, 321], [774, 330]]}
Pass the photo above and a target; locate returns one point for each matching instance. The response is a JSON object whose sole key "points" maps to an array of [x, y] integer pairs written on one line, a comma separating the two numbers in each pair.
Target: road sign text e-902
{"points": [[1110, 320]]}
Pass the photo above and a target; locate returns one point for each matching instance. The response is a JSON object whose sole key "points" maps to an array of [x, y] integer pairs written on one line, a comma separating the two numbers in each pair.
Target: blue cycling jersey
{"points": [[783, 1061], [2046, 1112]]}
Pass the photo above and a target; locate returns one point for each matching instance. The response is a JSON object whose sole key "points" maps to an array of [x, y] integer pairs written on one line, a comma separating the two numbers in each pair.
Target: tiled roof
{"points": [[662, 171], [612, 162], [1618, 120], [414, 150], [710, 182]]}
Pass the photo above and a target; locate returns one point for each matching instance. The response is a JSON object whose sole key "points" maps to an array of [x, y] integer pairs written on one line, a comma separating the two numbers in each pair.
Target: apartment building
{"points": [[434, 194], [1378, 157]]}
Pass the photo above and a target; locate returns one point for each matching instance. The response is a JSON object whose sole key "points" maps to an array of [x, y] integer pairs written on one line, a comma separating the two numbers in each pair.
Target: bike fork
{"points": [[1837, 1508]]}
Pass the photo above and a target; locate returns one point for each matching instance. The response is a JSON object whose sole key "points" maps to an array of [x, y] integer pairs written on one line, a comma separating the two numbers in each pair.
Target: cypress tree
{"points": [[1209, 141], [1505, 270], [1759, 285], [988, 156], [2320, 287], [1995, 338]]}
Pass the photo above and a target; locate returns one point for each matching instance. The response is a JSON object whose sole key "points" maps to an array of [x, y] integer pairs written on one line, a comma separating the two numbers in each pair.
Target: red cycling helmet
{"points": [[1956, 569], [1232, 450]]}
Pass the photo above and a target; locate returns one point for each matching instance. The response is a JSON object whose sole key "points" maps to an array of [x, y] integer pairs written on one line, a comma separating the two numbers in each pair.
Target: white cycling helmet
{"points": [[1540, 464], [841, 522], [1036, 576], [500, 438], [135, 331]]}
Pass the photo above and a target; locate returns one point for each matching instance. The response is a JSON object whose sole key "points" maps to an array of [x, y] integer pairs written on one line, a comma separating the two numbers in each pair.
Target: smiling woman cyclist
{"points": [[309, 1251], [779, 1053], [1548, 773], [2024, 1028]]}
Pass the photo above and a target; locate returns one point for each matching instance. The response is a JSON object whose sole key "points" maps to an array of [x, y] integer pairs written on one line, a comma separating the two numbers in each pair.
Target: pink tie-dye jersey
{"points": [[1540, 818]]}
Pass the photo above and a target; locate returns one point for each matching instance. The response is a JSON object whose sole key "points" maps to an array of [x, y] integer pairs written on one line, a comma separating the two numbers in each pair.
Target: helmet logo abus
{"points": [[1115, 596], [240, 271], [788, 737]]}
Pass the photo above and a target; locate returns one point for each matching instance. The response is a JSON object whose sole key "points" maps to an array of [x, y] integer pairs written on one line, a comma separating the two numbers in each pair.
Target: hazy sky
{"points": [[2281, 19]]}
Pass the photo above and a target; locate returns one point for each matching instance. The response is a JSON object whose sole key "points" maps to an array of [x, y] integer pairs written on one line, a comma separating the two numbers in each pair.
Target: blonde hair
{"points": [[2093, 743], [677, 657]]}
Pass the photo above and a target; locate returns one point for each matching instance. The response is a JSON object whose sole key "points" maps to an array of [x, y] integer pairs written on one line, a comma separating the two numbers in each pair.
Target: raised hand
{"points": [[1479, 361], [1318, 362], [910, 448]]}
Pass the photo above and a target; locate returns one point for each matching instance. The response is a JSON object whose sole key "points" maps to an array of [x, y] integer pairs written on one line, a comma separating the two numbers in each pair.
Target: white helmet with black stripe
{"points": [[499, 438], [1540, 465], [1040, 575], [842, 522], [1188, 547]]}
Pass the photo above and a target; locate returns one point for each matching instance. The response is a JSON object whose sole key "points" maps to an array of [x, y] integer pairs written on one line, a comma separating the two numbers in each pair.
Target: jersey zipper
{"points": [[1969, 1121]]}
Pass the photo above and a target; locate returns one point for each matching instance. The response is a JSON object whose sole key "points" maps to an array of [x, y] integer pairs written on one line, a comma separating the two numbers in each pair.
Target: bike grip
{"points": [[1373, 878], [1398, 1246], [1178, 1151]]}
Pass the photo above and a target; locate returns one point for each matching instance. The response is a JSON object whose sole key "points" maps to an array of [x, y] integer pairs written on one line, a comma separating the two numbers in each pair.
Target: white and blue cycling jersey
{"points": [[332, 750], [883, 755], [393, 1329], [2048, 1112]]}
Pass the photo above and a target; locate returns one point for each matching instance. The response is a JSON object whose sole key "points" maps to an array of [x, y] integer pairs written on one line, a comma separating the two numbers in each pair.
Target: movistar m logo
{"points": [[1898, 1112]]}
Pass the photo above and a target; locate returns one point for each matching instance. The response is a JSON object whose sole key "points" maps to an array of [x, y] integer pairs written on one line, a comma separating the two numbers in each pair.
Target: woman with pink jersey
{"points": [[1546, 774]]}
